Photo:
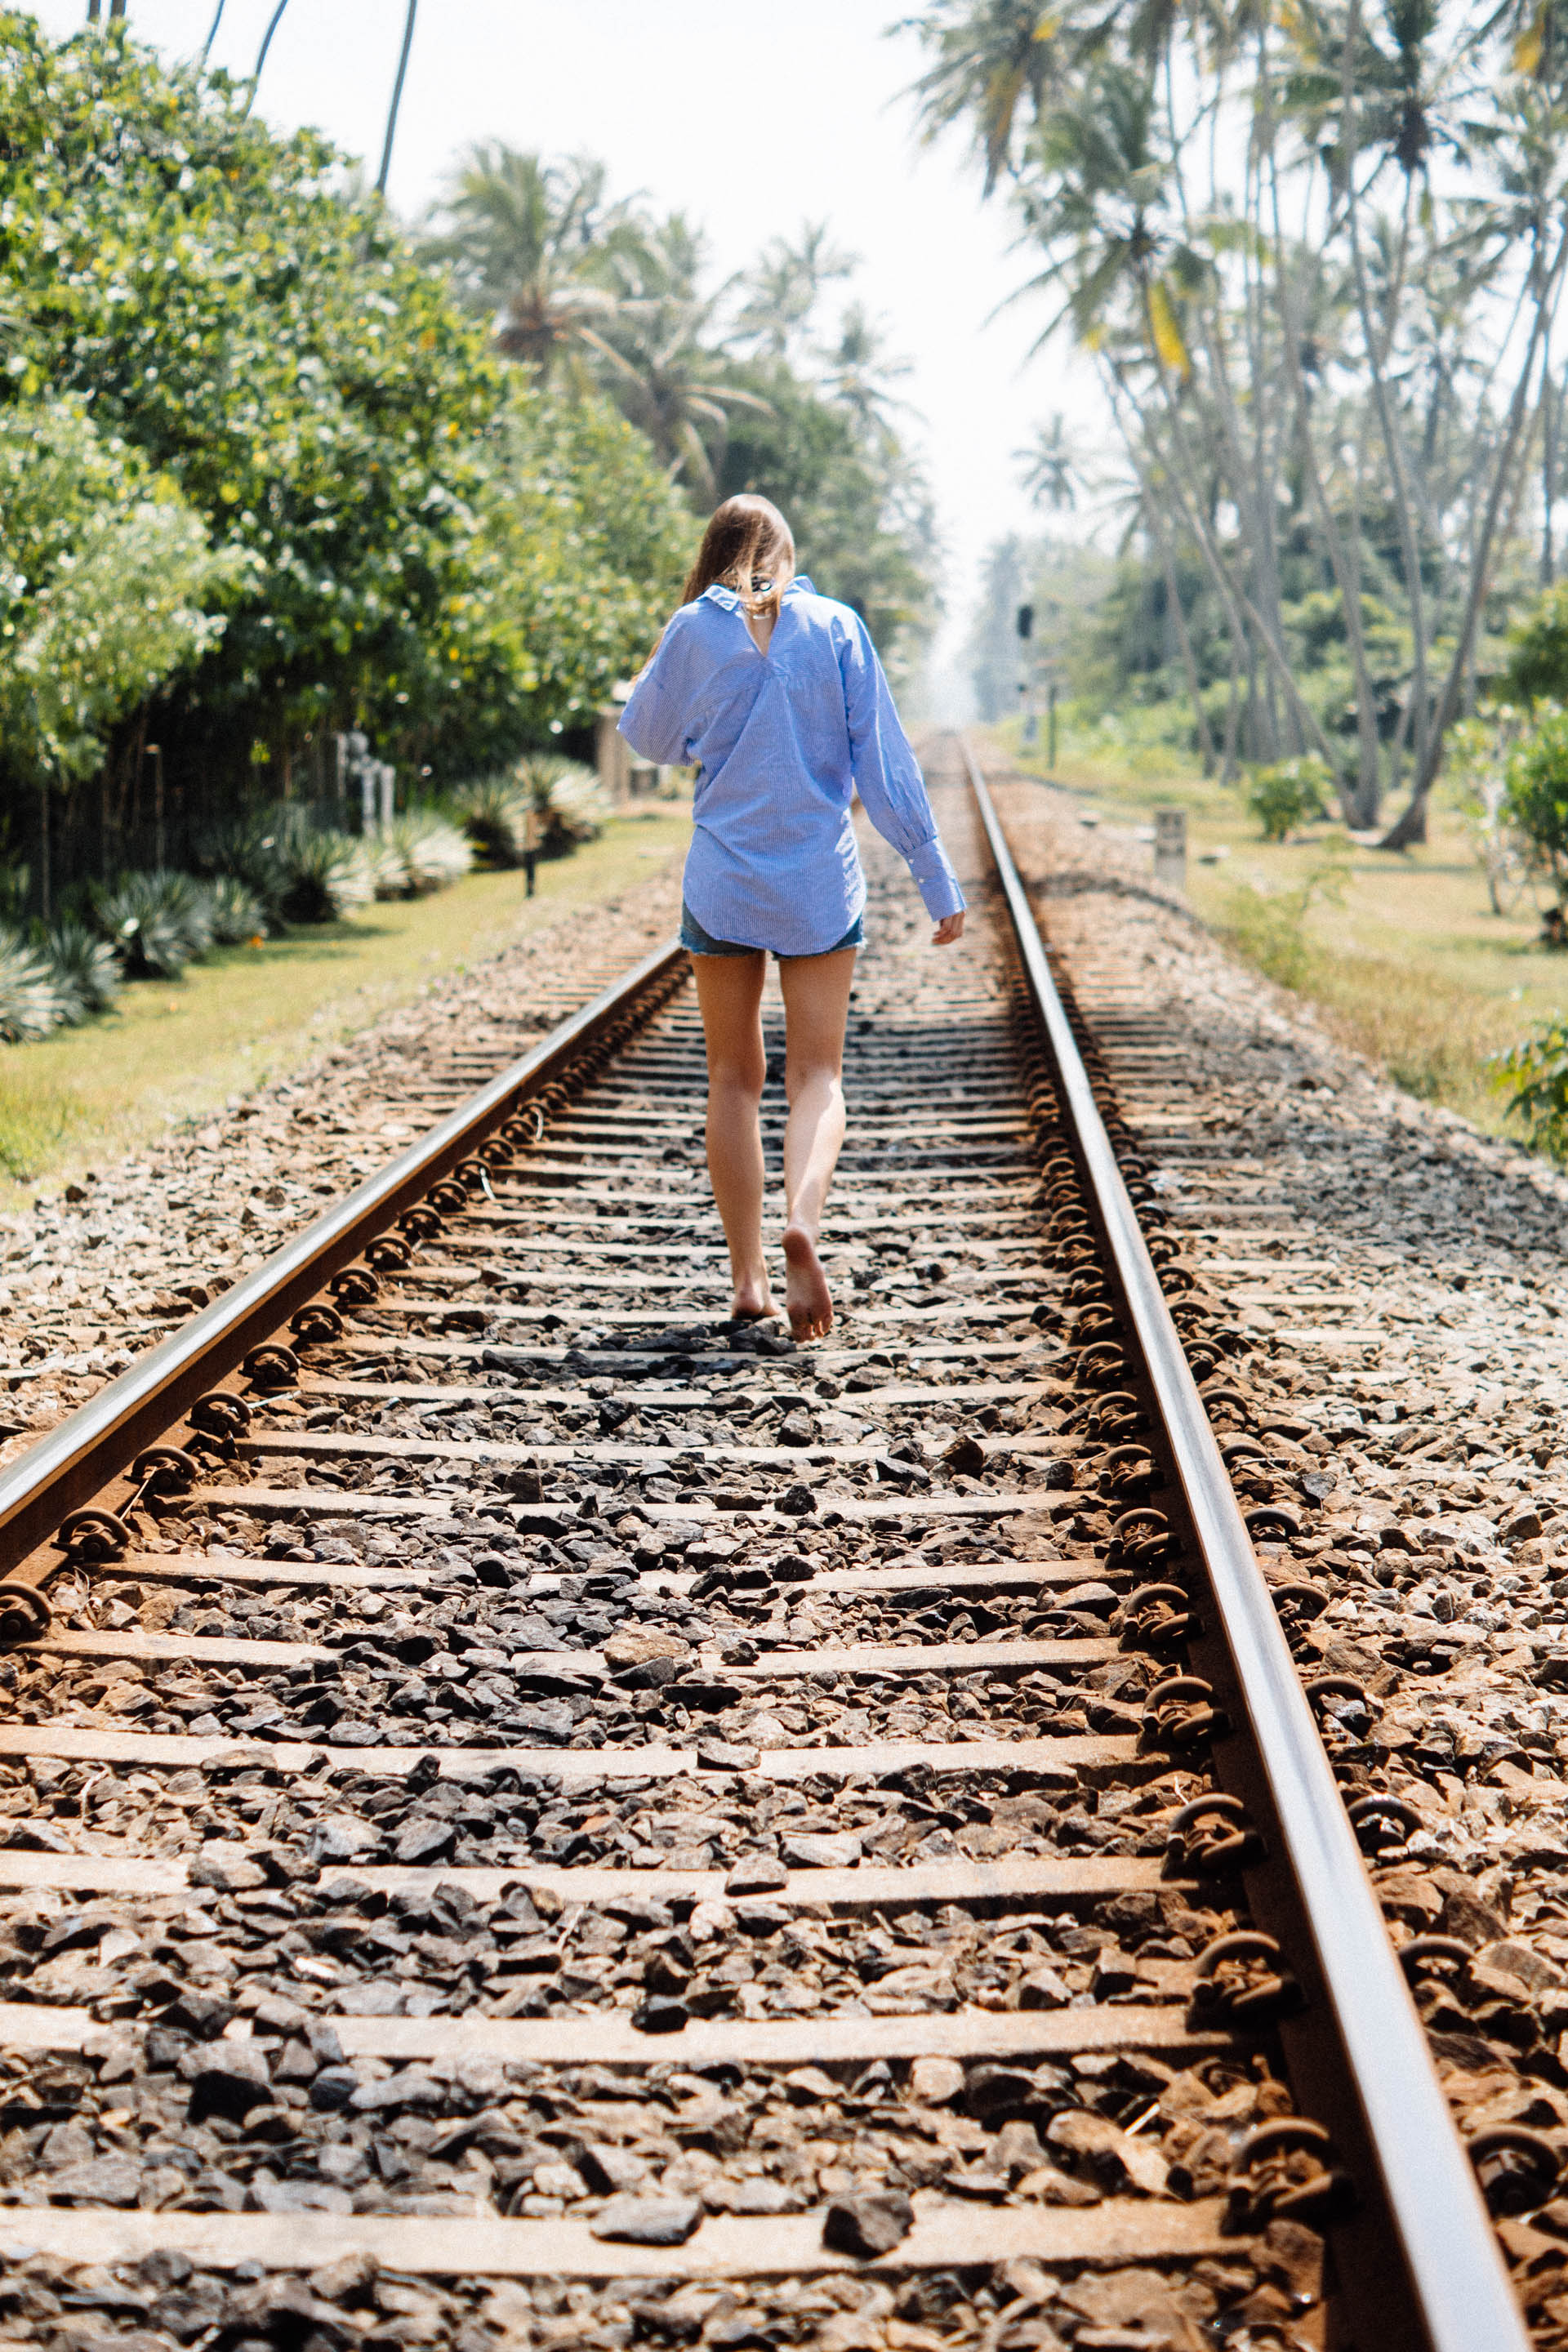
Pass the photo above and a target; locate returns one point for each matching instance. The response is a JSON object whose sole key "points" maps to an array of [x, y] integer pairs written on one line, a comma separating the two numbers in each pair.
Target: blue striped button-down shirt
{"points": [[783, 740]]}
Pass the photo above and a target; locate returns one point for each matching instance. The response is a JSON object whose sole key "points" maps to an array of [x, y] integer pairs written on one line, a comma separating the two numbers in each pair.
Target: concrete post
{"points": [[1171, 847]]}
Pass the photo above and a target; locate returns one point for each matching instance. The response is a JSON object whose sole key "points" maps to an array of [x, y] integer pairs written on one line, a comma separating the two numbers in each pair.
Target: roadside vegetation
{"points": [[326, 539], [1314, 263], [1406, 958], [249, 1013]]}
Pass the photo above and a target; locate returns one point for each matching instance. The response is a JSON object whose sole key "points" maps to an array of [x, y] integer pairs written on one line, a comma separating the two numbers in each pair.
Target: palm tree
{"points": [[272, 24], [1049, 470], [660, 358], [391, 112], [530, 244], [859, 376], [782, 289], [991, 56], [212, 34]]}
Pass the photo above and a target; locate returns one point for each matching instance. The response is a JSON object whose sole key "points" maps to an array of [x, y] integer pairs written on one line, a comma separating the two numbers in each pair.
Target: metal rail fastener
{"points": [[97, 1442], [1451, 2252]]}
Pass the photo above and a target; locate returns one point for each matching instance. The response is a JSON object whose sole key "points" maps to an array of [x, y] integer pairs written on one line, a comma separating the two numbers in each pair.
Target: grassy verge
{"points": [[1401, 955], [246, 1015]]}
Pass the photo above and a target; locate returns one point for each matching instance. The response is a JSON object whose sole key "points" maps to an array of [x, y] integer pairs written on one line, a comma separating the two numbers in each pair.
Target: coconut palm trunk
{"points": [[392, 110]]}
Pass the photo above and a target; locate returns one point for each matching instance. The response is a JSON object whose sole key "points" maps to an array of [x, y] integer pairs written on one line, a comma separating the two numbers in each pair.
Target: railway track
{"points": [[540, 1817]]}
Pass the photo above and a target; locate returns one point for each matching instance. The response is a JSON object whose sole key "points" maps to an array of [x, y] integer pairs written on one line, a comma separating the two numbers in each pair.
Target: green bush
{"points": [[326, 875], [1267, 929], [238, 916], [494, 810], [568, 802], [1288, 794], [156, 923], [1536, 801], [245, 852], [29, 1001], [568, 799], [429, 852], [1537, 1070], [85, 969]]}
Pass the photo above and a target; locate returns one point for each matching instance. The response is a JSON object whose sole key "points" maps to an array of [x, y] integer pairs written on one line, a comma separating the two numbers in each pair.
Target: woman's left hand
{"points": [[950, 928]]}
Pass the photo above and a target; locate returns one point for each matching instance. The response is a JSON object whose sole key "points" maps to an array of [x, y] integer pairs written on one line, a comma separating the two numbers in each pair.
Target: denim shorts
{"points": [[697, 941]]}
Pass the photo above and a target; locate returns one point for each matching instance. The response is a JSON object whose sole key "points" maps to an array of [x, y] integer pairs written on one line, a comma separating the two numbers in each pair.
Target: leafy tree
{"points": [[278, 352], [1538, 649], [1537, 1070], [859, 533], [1327, 362], [731, 384], [104, 580], [1537, 796], [665, 362], [581, 546], [994, 63]]}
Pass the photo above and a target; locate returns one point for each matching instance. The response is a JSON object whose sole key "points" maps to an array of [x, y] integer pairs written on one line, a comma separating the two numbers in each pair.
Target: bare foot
{"points": [[806, 1295], [754, 1303]]}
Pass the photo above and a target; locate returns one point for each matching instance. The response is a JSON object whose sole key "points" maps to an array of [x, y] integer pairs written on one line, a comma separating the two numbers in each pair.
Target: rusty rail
{"points": [[1456, 2269], [99, 1442]]}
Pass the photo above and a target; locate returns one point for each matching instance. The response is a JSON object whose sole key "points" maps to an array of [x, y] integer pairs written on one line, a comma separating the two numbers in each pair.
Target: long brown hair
{"points": [[747, 540]]}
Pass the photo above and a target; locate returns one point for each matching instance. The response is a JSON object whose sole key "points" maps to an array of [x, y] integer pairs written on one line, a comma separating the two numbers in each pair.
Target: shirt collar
{"points": [[732, 603]]}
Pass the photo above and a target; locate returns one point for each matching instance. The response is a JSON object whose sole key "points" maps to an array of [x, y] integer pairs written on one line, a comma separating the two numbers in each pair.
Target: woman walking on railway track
{"points": [[777, 696]]}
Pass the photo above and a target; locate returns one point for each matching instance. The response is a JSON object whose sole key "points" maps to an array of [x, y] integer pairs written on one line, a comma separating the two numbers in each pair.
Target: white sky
{"points": [[749, 117]]}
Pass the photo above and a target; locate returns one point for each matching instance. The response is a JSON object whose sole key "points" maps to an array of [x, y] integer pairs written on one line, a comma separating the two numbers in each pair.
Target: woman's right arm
{"points": [[654, 720]]}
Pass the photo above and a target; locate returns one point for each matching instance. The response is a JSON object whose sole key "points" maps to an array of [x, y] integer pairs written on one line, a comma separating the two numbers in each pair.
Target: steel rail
{"points": [[98, 1442], [1455, 2264]]}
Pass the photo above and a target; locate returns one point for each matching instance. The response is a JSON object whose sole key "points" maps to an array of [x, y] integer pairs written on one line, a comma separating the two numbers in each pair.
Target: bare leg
{"points": [[730, 995], [817, 1005]]}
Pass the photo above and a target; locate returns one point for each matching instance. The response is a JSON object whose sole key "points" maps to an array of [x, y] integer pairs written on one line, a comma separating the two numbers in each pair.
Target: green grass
{"points": [[1404, 958], [247, 1015]]}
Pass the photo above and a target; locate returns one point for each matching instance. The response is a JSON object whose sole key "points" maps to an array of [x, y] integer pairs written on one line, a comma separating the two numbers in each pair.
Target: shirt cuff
{"points": [[935, 879]]}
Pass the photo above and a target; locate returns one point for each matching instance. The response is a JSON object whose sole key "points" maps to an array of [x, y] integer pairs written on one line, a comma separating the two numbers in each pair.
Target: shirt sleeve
{"points": [[654, 720], [887, 776]]}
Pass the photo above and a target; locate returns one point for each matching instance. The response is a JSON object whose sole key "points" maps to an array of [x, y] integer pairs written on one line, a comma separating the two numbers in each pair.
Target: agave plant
{"points": [[85, 970], [251, 850], [326, 875], [429, 849], [156, 923], [569, 800], [494, 810], [29, 1000], [388, 875], [235, 911]]}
